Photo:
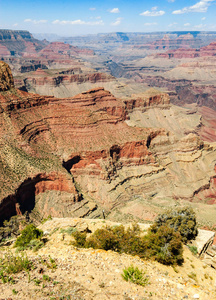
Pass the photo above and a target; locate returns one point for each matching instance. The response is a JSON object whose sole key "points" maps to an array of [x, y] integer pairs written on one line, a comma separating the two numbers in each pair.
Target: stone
{"points": [[204, 240]]}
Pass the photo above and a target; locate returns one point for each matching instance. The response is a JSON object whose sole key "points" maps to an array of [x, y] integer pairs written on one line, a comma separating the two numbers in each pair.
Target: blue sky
{"points": [[71, 18]]}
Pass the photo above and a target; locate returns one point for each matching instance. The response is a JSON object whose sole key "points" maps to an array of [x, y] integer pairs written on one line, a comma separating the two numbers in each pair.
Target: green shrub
{"points": [[117, 239], [135, 275], [52, 265], [182, 220], [131, 242], [37, 281], [6, 278], [14, 291], [10, 228], [12, 264], [193, 249], [165, 246], [46, 277], [46, 219], [80, 239], [35, 245], [29, 233], [103, 239]]}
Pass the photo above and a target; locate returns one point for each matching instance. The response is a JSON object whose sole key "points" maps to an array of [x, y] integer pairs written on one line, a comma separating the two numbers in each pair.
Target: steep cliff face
{"points": [[66, 156], [17, 41], [40, 78], [14, 35]]}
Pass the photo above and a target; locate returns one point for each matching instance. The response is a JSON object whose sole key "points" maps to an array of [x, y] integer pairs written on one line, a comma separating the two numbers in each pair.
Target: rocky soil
{"points": [[96, 274]]}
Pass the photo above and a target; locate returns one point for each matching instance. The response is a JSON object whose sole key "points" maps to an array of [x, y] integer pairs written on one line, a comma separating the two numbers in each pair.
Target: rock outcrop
{"points": [[6, 78]]}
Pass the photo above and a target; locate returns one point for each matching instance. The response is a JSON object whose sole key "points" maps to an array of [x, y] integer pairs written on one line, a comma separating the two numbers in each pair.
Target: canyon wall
{"points": [[76, 156]]}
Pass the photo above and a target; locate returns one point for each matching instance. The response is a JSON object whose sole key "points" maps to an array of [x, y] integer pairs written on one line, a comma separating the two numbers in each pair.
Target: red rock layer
{"points": [[4, 51], [55, 51], [145, 101], [183, 41], [183, 91], [65, 49], [209, 50], [87, 132], [24, 197], [42, 78], [207, 131]]}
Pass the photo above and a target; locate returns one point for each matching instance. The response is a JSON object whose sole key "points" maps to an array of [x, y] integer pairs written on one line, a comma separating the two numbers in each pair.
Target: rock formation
{"points": [[17, 41], [40, 81], [209, 50], [65, 157], [6, 78]]}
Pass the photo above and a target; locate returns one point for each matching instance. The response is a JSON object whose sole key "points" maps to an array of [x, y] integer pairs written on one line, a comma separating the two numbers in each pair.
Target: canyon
{"points": [[94, 154], [123, 127]]}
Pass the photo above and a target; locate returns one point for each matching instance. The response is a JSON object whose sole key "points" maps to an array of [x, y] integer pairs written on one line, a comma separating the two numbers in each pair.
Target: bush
{"points": [[135, 275], [29, 233], [182, 220], [104, 239], [35, 245], [165, 246], [193, 249], [10, 228], [80, 239]]}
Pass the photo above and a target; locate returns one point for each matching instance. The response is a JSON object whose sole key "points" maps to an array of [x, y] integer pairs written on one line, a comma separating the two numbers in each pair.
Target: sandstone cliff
{"points": [[6, 78]]}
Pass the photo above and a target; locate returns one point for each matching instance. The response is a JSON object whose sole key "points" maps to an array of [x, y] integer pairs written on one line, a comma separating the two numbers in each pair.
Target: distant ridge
{"points": [[137, 38], [15, 40], [15, 35]]}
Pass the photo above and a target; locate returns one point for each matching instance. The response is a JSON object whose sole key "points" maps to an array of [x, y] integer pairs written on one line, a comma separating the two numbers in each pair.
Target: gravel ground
{"points": [[96, 274]]}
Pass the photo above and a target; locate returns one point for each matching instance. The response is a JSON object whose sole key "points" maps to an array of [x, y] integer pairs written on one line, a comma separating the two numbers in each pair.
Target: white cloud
{"points": [[115, 11], [77, 22], [154, 8], [150, 24], [117, 22], [200, 26], [172, 24], [203, 19], [35, 21], [92, 8], [187, 24], [171, 1], [152, 13], [201, 6], [15, 25]]}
